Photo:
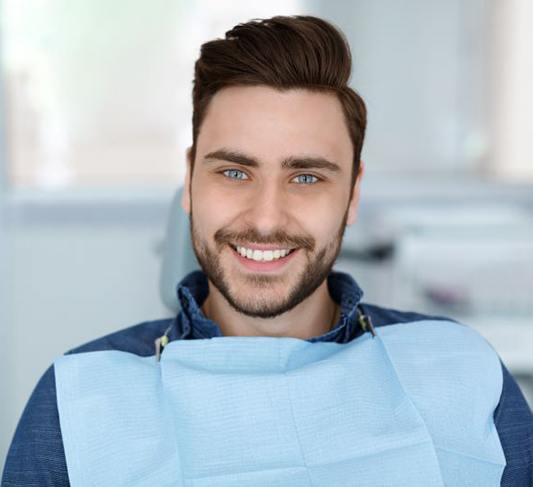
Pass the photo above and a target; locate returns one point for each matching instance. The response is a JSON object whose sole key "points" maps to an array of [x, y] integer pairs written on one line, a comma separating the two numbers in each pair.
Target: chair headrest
{"points": [[178, 255]]}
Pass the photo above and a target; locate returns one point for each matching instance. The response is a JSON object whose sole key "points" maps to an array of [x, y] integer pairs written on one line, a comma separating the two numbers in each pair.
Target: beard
{"points": [[258, 297]]}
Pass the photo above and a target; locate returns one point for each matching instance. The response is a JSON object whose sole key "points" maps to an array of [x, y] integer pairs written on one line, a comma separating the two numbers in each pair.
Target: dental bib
{"points": [[412, 406]]}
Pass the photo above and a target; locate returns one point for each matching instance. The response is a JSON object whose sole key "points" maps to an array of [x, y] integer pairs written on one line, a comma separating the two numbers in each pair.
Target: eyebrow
{"points": [[304, 162]]}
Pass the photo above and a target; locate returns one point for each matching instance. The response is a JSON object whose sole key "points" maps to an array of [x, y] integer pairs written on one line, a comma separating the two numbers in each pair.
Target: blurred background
{"points": [[95, 118]]}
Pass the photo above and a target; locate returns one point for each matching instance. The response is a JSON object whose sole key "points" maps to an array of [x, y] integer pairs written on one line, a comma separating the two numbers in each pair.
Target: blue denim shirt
{"points": [[36, 456]]}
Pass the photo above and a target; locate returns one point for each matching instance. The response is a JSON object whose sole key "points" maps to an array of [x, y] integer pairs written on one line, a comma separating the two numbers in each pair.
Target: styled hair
{"points": [[282, 52]]}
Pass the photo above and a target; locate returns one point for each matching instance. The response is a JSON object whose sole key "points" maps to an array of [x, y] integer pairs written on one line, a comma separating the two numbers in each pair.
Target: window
{"points": [[513, 71], [99, 93]]}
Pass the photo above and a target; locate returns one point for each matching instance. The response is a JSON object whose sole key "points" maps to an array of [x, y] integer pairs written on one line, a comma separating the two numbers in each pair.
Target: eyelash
{"points": [[317, 179]]}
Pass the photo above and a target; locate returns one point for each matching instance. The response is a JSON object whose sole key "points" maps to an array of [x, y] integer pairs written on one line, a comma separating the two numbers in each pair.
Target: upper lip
{"points": [[262, 246]]}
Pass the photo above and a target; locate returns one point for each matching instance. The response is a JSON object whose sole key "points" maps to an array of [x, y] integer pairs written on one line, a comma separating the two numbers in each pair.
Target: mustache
{"points": [[279, 238]]}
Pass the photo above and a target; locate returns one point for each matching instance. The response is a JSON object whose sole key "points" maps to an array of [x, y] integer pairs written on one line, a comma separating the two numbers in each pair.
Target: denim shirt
{"points": [[36, 455]]}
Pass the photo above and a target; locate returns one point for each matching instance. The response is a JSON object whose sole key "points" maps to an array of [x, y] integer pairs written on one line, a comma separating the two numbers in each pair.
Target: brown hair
{"points": [[283, 53]]}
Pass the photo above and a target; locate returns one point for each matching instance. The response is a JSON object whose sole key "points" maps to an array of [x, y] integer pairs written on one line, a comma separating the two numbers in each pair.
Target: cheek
{"points": [[210, 209], [321, 221]]}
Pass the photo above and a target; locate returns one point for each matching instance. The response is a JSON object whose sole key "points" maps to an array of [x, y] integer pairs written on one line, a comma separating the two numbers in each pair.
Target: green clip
{"points": [[160, 343], [366, 324]]}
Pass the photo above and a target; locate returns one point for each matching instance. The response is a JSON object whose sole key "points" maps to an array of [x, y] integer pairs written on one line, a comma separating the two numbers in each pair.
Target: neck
{"points": [[312, 317]]}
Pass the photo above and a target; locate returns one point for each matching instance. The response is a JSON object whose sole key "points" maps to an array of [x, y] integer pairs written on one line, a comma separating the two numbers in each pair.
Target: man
{"points": [[275, 372]]}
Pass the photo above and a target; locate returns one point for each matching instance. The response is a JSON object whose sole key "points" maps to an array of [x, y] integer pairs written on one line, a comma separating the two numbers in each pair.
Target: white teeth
{"points": [[262, 255]]}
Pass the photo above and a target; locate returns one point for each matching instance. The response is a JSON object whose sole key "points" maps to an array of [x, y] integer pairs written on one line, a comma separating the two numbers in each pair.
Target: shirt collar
{"points": [[193, 290]]}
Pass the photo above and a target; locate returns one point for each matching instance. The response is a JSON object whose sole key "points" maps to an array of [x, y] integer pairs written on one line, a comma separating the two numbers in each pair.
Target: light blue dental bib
{"points": [[411, 407]]}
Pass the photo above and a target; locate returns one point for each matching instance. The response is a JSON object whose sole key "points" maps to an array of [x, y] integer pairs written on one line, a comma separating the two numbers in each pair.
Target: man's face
{"points": [[272, 175]]}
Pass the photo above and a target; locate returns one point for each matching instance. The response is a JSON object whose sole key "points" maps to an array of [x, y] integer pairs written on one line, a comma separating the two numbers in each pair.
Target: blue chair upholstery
{"points": [[178, 256]]}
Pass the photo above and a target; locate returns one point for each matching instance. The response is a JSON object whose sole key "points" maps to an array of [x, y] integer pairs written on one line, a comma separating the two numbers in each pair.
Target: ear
{"points": [[186, 195], [354, 201]]}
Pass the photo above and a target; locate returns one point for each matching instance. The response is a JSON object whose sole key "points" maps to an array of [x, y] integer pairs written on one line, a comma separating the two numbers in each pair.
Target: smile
{"points": [[263, 260], [262, 255]]}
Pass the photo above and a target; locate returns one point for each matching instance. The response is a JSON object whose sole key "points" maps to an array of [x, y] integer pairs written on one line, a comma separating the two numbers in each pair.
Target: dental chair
{"points": [[178, 257]]}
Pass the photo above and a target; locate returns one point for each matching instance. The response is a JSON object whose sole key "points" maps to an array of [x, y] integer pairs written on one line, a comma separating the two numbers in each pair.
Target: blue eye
{"points": [[235, 174], [306, 179]]}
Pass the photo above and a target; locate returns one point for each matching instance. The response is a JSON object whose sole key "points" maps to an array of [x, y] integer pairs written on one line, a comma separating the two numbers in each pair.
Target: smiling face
{"points": [[270, 195]]}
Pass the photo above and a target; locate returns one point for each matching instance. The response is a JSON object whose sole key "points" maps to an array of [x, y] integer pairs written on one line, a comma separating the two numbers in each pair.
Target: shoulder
{"points": [[512, 415], [428, 350], [426, 331], [36, 455], [514, 422], [421, 343], [382, 316], [137, 339]]}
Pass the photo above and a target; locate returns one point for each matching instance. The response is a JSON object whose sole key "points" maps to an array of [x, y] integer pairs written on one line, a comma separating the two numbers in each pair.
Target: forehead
{"points": [[272, 124]]}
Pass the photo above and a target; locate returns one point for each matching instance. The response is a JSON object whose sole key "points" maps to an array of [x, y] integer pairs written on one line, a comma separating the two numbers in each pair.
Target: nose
{"points": [[267, 208]]}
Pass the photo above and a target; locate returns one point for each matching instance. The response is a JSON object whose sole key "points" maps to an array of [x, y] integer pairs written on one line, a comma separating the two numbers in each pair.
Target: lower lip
{"points": [[272, 265]]}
